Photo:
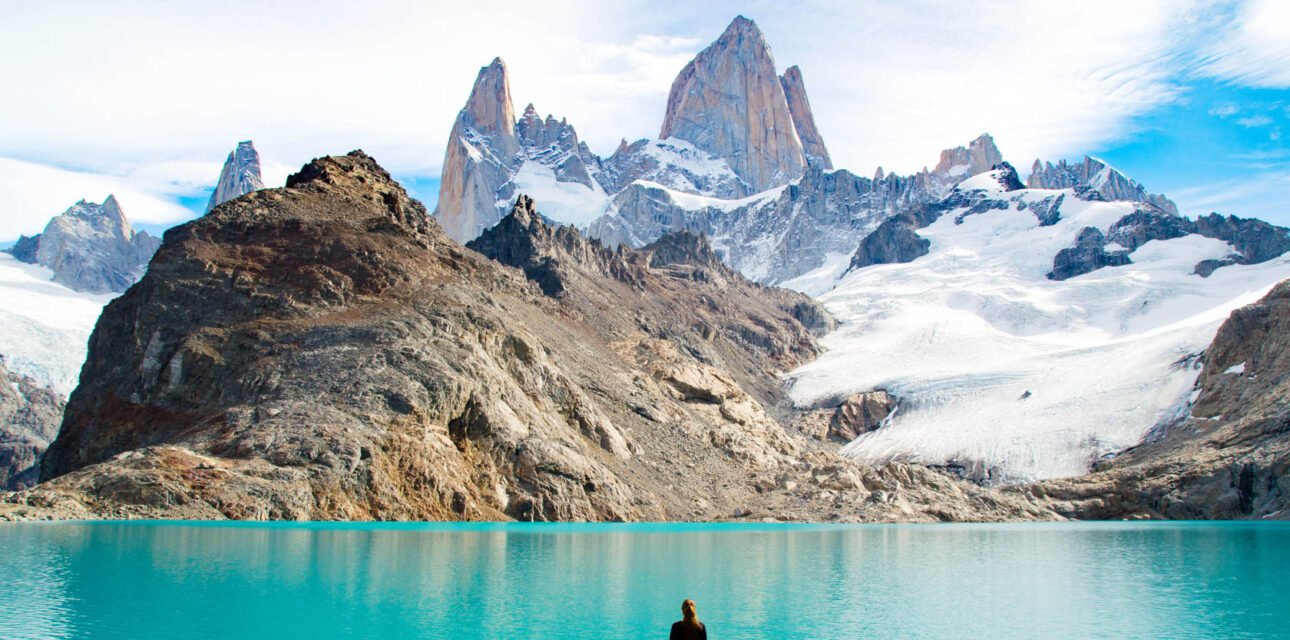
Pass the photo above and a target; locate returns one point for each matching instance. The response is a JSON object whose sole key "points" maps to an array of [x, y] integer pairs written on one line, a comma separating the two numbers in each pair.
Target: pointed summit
{"points": [[483, 152], [489, 109], [803, 120], [241, 175], [729, 102], [978, 157], [90, 247]]}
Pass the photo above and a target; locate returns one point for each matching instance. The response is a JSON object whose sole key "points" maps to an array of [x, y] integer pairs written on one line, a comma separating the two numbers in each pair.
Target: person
{"points": [[689, 627]]}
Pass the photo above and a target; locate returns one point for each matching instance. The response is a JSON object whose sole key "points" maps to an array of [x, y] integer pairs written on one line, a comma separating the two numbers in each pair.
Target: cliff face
{"points": [[241, 175], [324, 351], [90, 248], [804, 120], [1229, 458], [729, 102], [488, 149], [29, 418], [482, 153]]}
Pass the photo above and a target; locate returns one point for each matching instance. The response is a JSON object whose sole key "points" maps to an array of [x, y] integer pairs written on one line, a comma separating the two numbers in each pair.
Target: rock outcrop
{"points": [[1229, 458], [324, 351], [1089, 254], [799, 107], [729, 102], [240, 175], [960, 163], [29, 419], [895, 240], [1253, 241], [859, 414], [1101, 178], [90, 247]]}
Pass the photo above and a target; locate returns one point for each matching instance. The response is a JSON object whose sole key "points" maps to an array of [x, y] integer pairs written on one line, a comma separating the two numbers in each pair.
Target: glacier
{"points": [[44, 325], [1004, 375]]}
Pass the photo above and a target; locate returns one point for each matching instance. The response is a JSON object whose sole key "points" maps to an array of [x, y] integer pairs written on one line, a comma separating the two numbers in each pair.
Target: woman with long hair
{"points": [[689, 627]]}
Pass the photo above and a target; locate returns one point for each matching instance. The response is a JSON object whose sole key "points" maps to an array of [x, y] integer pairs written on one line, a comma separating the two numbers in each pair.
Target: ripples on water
{"points": [[175, 581]]}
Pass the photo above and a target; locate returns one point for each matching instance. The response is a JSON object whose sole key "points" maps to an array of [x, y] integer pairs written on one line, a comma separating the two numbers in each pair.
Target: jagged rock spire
{"points": [[1098, 176], [490, 110], [803, 120], [483, 151], [241, 175], [729, 102]]}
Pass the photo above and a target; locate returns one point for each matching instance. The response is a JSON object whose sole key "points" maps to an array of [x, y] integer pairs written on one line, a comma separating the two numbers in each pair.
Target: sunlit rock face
{"points": [[90, 248], [729, 102], [803, 120], [240, 176]]}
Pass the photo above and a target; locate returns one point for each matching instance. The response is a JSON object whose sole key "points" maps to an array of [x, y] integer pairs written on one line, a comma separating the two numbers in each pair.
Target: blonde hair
{"points": [[688, 610]]}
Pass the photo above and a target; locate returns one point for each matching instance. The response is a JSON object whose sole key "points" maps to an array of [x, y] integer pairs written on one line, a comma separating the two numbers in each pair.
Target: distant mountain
{"points": [[729, 102], [1097, 176], [241, 175], [490, 156], [90, 248], [739, 158]]}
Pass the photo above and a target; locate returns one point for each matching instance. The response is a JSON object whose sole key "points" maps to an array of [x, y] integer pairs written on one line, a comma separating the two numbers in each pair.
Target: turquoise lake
{"points": [[1055, 580]]}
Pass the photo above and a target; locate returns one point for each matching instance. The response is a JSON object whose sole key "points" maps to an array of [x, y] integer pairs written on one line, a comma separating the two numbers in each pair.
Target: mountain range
{"points": [[576, 337]]}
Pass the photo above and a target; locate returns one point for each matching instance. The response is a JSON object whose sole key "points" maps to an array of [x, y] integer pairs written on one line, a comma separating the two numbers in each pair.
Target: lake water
{"points": [[1056, 580]]}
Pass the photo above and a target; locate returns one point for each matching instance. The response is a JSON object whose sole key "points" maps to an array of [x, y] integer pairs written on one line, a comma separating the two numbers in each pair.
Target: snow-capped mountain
{"points": [[1098, 176], [739, 157], [241, 175], [90, 247], [1016, 349]]}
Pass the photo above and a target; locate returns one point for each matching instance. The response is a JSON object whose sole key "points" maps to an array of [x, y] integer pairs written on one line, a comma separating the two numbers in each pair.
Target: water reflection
{"points": [[170, 581]]}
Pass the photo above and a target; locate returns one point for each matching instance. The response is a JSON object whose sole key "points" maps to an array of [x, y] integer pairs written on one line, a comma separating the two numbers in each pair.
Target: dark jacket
{"points": [[688, 631]]}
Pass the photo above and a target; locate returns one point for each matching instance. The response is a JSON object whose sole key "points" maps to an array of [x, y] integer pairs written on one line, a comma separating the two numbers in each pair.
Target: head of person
{"points": [[688, 610]]}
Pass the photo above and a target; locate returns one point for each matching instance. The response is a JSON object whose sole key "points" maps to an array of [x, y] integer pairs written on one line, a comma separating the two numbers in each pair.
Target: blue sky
{"points": [[145, 99]]}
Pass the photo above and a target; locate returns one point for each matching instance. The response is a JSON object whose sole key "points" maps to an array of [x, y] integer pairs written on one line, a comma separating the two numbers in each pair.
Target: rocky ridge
{"points": [[90, 248], [240, 175], [773, 208], [1094, 178], [325, 351]]}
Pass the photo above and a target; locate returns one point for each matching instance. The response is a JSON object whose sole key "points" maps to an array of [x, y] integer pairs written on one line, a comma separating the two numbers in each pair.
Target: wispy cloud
{"points": [[1251, 122], [1225, 110], [135, 89], [1253, 49], [30, 193], [1246, 196]]}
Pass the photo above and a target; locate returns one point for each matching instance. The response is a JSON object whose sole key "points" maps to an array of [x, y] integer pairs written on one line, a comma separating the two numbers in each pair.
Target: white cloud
{"points": [[1254, 48], [1258, 120], [1225, 110], [31, 193], [1246, 196], [132, 89]]}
